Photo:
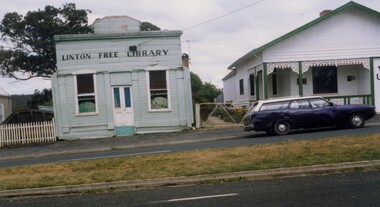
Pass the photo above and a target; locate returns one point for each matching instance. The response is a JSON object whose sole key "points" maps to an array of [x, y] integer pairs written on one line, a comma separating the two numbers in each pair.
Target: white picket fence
{"points": [[27, 133]]}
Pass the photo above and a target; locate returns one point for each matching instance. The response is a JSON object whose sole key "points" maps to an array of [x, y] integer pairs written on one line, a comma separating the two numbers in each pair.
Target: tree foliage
{"points": [[147, 26], [30, 39], [41, 98], [203, 92]]}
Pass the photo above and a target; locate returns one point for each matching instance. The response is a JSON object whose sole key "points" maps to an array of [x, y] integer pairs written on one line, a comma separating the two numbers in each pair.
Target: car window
{"points": [[300, 104], [254, 106], [318, 103], [275, 106]]}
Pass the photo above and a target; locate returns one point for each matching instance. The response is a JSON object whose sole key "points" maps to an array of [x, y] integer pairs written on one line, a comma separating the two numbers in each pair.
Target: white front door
{"points": [[123, 109]]}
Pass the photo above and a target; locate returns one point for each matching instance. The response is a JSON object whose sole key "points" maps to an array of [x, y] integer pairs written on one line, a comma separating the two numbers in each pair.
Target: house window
{"points": [[241, 86], [252, 84], [1, 112], [86, 96], [325, 79], [158, 90]]}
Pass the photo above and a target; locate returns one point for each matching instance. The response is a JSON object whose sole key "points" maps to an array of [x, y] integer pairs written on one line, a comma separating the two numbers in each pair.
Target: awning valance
{"points": [[294, 66]]}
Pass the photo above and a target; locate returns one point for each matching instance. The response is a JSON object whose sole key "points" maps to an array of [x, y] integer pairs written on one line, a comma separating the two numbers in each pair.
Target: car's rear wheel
{"points": [[281, 128], [356, 120]]}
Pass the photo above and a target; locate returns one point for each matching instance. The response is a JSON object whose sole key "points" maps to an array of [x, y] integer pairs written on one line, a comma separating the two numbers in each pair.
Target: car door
{"points": [[325, 112], [301, 115]]}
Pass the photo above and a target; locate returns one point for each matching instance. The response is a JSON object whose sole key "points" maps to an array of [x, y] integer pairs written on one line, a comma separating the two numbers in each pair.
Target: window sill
{"points": [[326, 94], [87, 114], [159, 111]]}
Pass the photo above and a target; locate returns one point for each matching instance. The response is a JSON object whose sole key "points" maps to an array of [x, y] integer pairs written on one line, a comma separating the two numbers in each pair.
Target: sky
{"points": [[215, 32]]}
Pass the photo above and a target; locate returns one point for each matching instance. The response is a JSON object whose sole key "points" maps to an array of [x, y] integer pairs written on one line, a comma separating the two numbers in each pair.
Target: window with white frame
{"points": [[2, 117], [85, 94], [158, 90], [241, 86]]}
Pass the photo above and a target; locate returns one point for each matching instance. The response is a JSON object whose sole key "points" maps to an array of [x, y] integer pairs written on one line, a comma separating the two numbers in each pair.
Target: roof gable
{"points": [[3, 92], [259, 50], [116, 25]]}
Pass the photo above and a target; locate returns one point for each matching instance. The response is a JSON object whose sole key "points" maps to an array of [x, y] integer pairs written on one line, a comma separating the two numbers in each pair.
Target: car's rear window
{"points": [[300, 104], [275, 106]]}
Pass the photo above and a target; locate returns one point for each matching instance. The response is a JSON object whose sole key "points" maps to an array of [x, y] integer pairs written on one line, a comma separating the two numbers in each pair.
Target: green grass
{"points": [[189, 163]]}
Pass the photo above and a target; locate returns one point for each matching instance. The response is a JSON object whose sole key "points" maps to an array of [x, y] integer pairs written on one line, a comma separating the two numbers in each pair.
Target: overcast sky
{"points": [[213, 46]]}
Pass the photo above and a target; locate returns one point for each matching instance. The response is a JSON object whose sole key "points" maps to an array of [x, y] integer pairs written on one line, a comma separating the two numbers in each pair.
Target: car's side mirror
{"points": [[331, 104]]}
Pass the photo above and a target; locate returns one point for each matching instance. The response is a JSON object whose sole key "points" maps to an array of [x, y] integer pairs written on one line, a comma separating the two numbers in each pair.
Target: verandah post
{"points": [[300, 82], [265, 81]]}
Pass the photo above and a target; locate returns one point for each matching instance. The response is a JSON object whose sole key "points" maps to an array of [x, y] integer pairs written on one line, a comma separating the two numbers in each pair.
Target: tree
{"points": [[196, 82], [203, 92], [209, 91], [30, 39], [41, 98], [147, 26]]}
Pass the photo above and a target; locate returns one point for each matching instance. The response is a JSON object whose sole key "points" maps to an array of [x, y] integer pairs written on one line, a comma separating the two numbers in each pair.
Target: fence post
{"points": [[197, 115]]}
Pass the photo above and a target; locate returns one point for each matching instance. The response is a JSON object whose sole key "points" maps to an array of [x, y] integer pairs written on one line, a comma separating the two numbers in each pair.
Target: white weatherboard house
{"points": [[120, 81], [336, 56], [5, 105]]}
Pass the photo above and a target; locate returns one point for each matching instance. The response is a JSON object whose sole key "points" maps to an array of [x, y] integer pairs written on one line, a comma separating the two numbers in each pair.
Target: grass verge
{"points": [[189, 163]]}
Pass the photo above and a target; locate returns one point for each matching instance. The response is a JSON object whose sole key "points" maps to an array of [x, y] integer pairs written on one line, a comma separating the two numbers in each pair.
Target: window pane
{"points": [[157, 79], [252, 84], [158, 90], [116, 97], [318, 103], [1, 112], [241, 84], [85, 83], [325, 79], [86, 104], [275, 106], [300, 104], [127, 97], [159, 99]]}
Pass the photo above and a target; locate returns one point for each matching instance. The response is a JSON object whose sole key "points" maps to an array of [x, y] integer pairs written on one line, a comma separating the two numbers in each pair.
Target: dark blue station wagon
{"points": [[280, 116]]}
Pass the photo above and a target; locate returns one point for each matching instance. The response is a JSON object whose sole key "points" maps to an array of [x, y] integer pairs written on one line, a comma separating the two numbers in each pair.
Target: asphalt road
{"points": [[350, 189], [250, 139]]}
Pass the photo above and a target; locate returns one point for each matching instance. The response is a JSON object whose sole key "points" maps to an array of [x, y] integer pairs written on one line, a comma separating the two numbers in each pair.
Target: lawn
{"points": [[189, 163]]}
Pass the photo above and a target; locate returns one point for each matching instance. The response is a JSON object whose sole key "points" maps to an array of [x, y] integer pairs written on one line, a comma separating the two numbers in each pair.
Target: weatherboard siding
{"points": [[122, 62], [376, 86], [349, 34], [157, 118], [5, 101], [100, 125]]}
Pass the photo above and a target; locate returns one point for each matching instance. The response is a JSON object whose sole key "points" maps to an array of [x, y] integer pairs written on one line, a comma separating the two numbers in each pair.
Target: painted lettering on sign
{"points": [[109, 55], [144, 53], [76, 57]]}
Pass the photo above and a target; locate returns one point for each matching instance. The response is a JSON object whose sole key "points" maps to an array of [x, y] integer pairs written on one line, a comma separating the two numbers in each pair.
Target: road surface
{"points": [[349, 189]]}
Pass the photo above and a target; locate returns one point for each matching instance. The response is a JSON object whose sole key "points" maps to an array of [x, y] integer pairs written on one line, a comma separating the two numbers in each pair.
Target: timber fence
{"points": [[27, 133]]}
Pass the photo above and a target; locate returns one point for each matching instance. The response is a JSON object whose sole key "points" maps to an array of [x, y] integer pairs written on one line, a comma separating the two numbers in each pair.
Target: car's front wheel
{"points": [[356, 120], [281, 128]]}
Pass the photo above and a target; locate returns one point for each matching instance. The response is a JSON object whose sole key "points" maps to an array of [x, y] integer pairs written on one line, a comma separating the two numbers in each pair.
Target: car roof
{"points": [[287, 99]]}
